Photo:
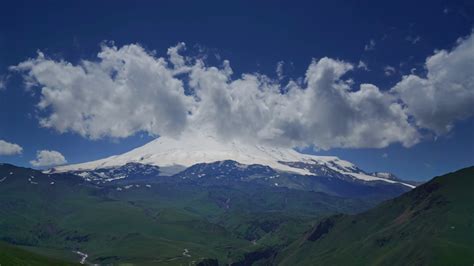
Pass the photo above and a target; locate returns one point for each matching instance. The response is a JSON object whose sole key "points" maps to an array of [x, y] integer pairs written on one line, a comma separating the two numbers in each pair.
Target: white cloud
{"points": [[127, 91], [175, 58], [446, 94], [325, 113], [389, 70], [370, 46], [48, 158], [362, 65], [130, 90], [7, 148]]}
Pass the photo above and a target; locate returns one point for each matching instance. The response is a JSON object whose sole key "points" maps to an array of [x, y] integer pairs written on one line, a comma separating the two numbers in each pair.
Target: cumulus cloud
{"points": [[327, 113], [48, 158], [129, 90], [446, 94], [7, 148]]}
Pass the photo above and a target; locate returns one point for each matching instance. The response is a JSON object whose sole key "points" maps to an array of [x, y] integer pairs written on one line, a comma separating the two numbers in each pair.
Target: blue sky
{"points": [[390, 38]]}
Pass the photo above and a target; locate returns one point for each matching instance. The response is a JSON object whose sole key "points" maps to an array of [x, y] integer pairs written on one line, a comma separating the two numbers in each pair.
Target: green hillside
{"points": [[430, 225], [171, 224], [14, 256]]}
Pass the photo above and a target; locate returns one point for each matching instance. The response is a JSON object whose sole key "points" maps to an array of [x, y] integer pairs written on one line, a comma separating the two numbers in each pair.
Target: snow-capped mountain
{"points": [[175, 155]]}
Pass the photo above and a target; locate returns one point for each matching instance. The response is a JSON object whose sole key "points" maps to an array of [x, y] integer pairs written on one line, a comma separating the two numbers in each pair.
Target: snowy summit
{"points": [[166, 152]]}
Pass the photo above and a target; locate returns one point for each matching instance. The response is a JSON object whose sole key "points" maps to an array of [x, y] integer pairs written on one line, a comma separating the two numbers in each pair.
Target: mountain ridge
{"points": [[418, 227]]}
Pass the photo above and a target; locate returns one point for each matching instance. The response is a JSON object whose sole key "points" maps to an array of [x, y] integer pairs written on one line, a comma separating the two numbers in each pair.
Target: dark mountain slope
{"points": [[430, 225]]}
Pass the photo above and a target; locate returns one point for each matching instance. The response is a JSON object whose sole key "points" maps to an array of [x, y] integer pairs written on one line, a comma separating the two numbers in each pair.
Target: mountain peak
{"points": [[167, 153]]}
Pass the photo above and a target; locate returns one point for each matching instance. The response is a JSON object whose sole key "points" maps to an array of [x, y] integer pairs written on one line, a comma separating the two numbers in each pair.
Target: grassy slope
{"points": [[152, 225], [431, 225], [11, 255], [70, 216]]}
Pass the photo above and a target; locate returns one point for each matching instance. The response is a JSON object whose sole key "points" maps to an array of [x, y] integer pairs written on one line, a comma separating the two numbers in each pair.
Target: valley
{"points": [[159, 222]]}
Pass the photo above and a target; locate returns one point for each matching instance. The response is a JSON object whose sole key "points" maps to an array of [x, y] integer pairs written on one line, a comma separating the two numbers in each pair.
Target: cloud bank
{"points": [[7, 148], [446, 94], [129, 90], [48, 158]]}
